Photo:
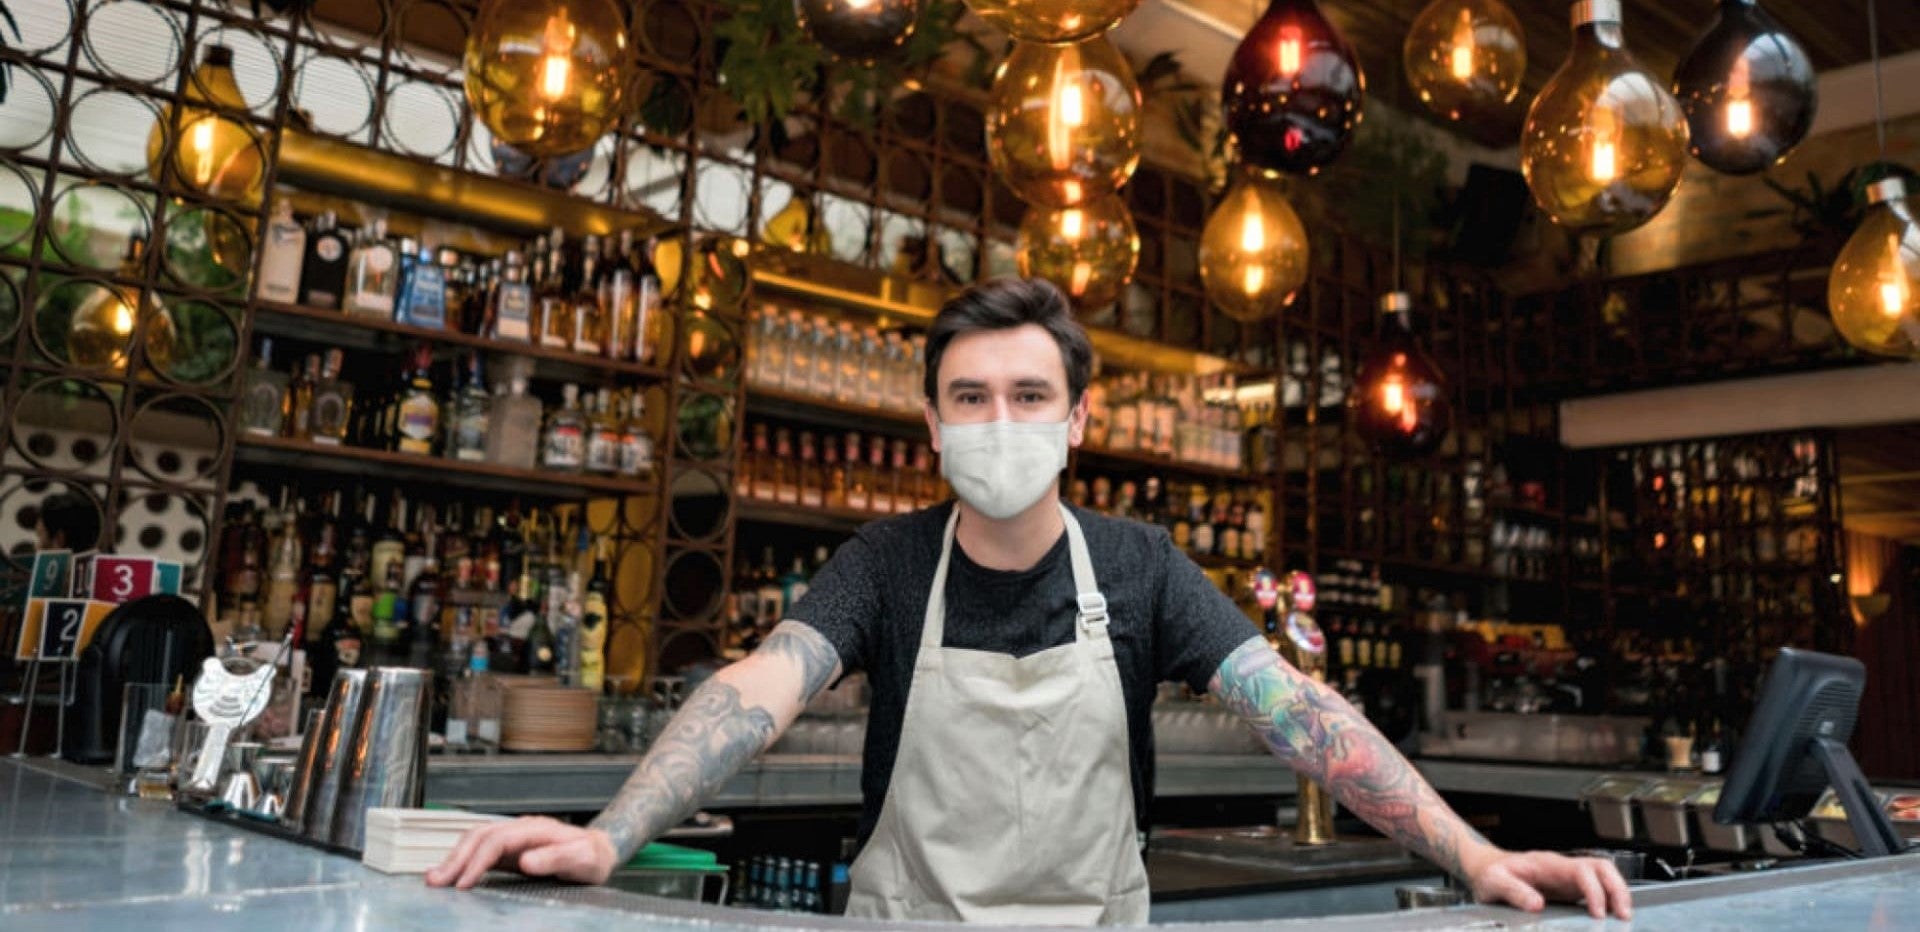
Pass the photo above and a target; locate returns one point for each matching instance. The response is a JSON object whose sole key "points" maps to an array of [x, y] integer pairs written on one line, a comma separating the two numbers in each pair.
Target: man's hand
{"points": [[535, 845], [1528, 879]]}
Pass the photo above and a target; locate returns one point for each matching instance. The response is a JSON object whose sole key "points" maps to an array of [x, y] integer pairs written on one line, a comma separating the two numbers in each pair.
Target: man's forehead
{"points": [[1019, 355]]}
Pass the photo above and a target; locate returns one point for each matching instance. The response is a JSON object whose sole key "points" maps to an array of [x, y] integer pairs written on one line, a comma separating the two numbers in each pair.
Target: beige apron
{"points": [[1011, 799]]}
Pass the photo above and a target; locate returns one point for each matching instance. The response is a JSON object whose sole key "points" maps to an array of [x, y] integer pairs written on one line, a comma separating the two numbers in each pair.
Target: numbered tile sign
{"points": [[123, 579], [60, 630], [51, 572]]}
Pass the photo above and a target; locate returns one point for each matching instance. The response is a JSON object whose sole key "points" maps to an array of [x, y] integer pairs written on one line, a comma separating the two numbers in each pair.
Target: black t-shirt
{"points": [[1168, 621]]}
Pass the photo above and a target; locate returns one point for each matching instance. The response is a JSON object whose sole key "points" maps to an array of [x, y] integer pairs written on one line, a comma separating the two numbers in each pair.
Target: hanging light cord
{"points": [[1879, 98]]}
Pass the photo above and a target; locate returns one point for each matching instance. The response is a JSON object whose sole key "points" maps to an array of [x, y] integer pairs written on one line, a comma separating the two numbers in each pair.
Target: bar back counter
{"points": [[73, 857]]}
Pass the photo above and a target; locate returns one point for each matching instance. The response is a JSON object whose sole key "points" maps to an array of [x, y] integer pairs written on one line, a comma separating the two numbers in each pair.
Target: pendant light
{"points": [[1253, 251], [1874, 288], [1063, 122], [548, 77], [214, 154], [1465, 58], [1604, 143], [1293, 90], [1398, 401], [858, 30], [1088, 251], [1053, 21], [1747, 89]]}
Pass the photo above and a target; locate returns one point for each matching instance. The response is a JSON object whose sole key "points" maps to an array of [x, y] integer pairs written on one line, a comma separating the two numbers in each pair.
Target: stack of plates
{"points": [[411, 841], [549, 718]]}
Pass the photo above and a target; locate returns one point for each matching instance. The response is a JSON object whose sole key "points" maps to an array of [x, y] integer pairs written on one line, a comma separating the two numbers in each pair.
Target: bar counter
{"points": [[72, 857]]}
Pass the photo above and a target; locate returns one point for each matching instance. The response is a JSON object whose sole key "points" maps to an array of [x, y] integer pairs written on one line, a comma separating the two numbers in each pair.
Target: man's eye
{"points": [[971, 398], [1031, 398]]}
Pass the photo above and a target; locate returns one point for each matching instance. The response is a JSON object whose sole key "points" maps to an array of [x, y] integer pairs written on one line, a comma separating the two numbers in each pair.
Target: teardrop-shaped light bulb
{"points": [[1253, 252], [858, 30], [1874, 289], [1293, 90], [1063, 123], [1465, 58], [1088, 251], [1604, 143], [214, 154], [1399, 399], [1053, 21], [1747, 89]]}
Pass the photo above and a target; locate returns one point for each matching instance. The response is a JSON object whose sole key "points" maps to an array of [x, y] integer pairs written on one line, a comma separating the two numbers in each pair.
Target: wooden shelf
{"points": [[770, 402], [459, 474], [1102, 457], [337, 328], [815, 517], [1214, 561]]}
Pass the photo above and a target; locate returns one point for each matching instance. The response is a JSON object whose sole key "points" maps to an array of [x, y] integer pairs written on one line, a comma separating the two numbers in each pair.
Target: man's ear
{"points": [[1077, 421], [932, 415]]}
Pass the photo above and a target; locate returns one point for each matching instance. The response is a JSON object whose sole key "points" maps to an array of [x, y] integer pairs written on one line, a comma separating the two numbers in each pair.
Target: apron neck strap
{"points": [[1091, 620]]}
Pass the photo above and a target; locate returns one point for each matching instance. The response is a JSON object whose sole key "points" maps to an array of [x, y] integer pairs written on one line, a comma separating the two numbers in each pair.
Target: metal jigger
{"points": [[1299, 640]]}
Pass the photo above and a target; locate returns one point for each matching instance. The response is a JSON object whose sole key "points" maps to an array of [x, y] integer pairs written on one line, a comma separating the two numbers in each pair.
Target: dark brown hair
{"points": [[1005, 303]]}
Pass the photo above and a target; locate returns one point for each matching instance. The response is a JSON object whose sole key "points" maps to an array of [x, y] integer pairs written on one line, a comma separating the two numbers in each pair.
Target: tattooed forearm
{"points": [[717, 732], [1319, 734]]}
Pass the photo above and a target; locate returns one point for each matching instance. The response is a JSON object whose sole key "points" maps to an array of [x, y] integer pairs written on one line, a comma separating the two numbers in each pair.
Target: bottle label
{"points": [[261, 411], [329, 248], [603, 451], [347, 649], [419, 419], [566, 447], [426, 302], [380, 260], [515, 321], [470, 438], [636, 456]]}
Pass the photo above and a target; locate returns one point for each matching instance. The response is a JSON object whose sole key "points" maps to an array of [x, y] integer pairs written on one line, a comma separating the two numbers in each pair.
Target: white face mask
{"points": [[1002, 468]]}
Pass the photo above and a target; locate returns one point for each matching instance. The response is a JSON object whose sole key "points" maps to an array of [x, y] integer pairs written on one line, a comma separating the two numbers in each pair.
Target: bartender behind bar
{"points": [[1013, 644]]}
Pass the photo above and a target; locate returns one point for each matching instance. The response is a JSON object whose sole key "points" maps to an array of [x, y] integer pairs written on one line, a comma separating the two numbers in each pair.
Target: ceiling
{"points": [[1880, 481], [1834, 33]]}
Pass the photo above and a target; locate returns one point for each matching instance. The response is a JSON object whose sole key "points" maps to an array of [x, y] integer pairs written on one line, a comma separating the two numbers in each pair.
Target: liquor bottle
{"points": [[812, 483], [1126, 416], [880, 483], [425, 596], [341, 643], [786, 478], [418, 423], [423, 296], [459, 276], [794, 583], [263, 407], [513, 427], [542, 650], [758, 469], [617, 297], [300, 398], [859, 476], [282, 250], [603, 436], [589, 315], [636, 442], [649, 321], [471, 410], [926, 480], [564, 445], [555, 299], [283, 575], [318, 581], [826, 362], [388, 615], [332, 410], [873, 374], [373, 276], [511, 315], [476, 318], [904, 485], [846, 364], [389, 542], [834, 494], [595, 618], [323, 269], [772, 609], [1099, 414]]}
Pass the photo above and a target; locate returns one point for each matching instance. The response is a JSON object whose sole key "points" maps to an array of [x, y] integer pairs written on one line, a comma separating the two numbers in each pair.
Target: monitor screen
{"points": [[1776, 777]]}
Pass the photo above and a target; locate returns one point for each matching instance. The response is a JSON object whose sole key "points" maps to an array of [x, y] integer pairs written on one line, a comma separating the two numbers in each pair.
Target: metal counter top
{"points": [[72, 857]]}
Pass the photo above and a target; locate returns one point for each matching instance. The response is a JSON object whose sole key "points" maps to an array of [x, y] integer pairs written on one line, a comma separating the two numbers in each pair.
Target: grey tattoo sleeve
{"points": [[712, 736]]}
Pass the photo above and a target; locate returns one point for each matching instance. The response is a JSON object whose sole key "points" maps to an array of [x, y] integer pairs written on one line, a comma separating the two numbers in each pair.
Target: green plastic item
{"points": [[660, 856]]}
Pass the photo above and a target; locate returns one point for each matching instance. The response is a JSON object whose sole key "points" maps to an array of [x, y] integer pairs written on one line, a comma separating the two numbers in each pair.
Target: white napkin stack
{"points": [[411, 841]]}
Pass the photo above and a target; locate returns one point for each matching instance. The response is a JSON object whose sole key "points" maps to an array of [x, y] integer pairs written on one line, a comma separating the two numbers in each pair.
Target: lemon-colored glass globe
{"points": [[1088, 251], [1604, 143], [1874, 289], [548, 77], [1253, 252], [1063, 124], [1465, 58]]}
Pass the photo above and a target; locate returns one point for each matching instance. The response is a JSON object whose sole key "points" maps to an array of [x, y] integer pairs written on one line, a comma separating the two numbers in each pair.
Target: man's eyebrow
{"points": [[965, 385]]}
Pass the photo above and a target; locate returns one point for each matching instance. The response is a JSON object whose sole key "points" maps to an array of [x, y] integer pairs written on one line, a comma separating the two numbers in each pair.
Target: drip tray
{"points": [[1270, 847]]}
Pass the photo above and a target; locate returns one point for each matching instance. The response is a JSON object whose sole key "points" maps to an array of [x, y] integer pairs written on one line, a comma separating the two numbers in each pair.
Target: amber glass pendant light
{"points": [[858, 30], [1874, 288], [1293, 91], [1053, 21], [215, 154], [1088, 251], [548, 77], [1253, 252], [1063, 123], [1399, 400], [1604, 143], [1465, 58], [1747, 89]]}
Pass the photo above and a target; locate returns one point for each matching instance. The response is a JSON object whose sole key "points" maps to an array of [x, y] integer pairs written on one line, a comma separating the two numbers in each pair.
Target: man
{"points": [[1013, 645]]}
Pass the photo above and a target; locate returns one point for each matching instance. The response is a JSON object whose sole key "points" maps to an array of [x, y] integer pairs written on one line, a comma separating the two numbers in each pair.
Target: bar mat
{"points": [[218, 811]]}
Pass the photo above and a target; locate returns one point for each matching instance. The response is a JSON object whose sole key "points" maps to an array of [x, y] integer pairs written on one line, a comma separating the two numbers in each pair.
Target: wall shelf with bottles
{"points": [[337, 328], [289, 452], [812, 517], [791, 406], [1110, 458]]}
